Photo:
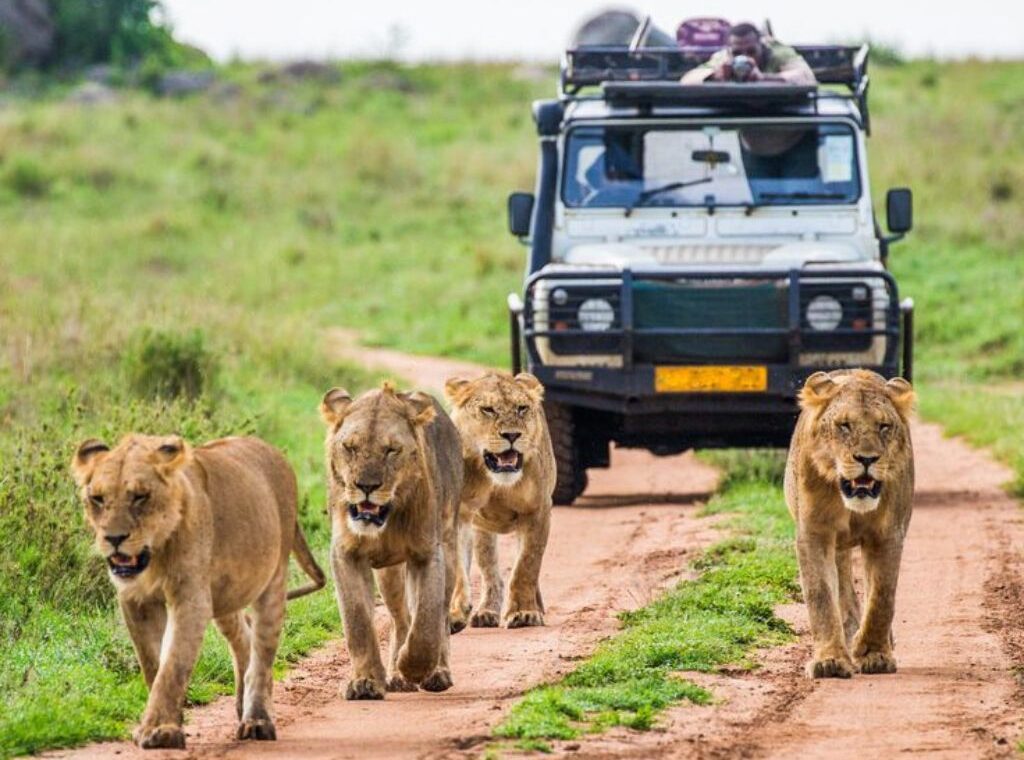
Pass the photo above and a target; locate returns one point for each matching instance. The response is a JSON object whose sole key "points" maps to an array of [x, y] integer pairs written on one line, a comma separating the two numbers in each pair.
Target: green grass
{"points": [[238, 225], [718, 619], [955, 134]]}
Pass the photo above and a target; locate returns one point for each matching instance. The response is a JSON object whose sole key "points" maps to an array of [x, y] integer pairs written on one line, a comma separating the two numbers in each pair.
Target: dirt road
{"points": [[959, 632]]}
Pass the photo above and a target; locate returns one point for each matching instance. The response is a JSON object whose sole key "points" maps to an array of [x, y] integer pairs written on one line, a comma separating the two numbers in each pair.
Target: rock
{"points": [[301, 70], [101, 73], [175, 84], [28, 30], [323, 72], [92, 93]]}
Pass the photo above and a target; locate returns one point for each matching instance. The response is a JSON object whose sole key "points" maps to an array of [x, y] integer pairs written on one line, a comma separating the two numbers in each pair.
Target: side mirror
{"points": [[520, 211], [899, 210]]}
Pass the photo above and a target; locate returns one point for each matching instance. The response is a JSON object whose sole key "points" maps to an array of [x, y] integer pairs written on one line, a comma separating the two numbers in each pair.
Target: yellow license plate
{"points": [[710, 379]]}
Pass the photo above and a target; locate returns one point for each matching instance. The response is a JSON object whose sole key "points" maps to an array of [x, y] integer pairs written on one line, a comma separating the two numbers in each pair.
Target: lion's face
{"points": [[373, 451], [132, 497], [860, 432], [500, 419]]}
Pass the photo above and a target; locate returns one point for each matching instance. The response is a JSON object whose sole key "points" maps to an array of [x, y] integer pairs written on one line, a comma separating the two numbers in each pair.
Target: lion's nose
{"points": [[368, 488], [866, 461], [511, 437], [115, 541]]}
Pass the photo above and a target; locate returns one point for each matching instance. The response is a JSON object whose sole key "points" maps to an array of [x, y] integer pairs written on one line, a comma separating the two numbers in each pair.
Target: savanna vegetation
{"points": [[178, 264]]}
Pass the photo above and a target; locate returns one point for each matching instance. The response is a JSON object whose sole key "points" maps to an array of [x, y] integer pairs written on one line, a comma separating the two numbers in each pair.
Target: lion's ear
{"points": [[818, 390], [902, 395], [85, 459], [531, 384], [171, 454], [456, 390], [334, 405], [422, 409]]}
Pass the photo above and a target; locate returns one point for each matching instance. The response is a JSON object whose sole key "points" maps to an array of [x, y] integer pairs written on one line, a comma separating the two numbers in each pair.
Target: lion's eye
{"points": [[96, 500], [391, 451], [522, 410], [139, 499], [348, 448], [489, 411], [884, 428], [845, 427]]}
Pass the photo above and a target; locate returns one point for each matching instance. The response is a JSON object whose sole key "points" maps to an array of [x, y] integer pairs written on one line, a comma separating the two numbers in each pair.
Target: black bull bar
{"points": [[788, 320]]}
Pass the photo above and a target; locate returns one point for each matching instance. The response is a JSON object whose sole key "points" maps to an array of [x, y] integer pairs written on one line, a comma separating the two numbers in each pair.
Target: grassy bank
{"points": [[717, 619], [955, 133]]}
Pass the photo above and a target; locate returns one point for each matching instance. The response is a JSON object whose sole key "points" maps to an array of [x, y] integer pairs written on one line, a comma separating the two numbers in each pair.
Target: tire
{"points": [[571, 476]]}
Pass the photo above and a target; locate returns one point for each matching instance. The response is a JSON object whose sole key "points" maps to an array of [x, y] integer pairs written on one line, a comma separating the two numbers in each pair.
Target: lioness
{"points": [[394, 477], [192, 534], [849, 482], [510, 475]]}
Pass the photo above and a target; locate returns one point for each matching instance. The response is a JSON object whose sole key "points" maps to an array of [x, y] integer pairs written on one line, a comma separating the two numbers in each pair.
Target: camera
{"points": [[742, 66]]}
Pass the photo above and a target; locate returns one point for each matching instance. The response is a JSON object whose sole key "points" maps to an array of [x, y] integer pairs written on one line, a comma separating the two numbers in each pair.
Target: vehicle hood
{"points": [[670, 253]]}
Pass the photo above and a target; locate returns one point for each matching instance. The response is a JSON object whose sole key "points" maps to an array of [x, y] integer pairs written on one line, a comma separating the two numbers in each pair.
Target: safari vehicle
{"points": [[696, 252]]}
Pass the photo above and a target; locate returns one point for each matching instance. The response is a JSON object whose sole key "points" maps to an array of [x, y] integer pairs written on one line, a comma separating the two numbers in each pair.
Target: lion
{"points": [[849, 482], [510, 476], [394, 469], [191, 534]]}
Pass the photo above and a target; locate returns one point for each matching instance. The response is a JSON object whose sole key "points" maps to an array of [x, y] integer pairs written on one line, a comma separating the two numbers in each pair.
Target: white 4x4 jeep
{"points": [[697, 251]]}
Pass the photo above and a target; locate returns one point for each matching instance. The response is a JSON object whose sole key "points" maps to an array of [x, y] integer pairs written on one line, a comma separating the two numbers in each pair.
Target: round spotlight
{"points": [[559, 297], [824, 313], [596, 315]]}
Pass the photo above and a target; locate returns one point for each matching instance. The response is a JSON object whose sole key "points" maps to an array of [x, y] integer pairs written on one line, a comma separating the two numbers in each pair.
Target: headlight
{"points": [[596, 315], [824, 313]]}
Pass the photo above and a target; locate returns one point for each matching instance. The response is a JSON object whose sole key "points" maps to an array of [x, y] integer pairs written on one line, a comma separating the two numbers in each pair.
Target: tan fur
{"points": [[218, 523], [406, 448], [485, 411], [848, 414]]}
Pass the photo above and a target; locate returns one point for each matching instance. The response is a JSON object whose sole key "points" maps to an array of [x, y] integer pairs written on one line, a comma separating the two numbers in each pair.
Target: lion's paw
{"points": [[400, 683], [456, 624], [166, 736], [363, 688], [439, 680], [257, 729], [485, 619], [524, 618], [876, 662], [830, 667]]}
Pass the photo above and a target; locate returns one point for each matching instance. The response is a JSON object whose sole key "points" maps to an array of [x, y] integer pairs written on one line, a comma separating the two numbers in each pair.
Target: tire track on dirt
{"points": [[632, 534]]}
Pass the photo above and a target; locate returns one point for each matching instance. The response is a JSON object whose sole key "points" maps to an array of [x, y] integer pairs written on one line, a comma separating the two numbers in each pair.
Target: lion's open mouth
{"points": [[367, 511], [508, 460], [861, 487], [127, 566]]}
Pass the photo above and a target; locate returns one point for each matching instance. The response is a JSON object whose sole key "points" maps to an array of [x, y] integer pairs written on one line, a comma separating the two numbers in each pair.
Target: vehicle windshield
{"points": [[744, 165]]}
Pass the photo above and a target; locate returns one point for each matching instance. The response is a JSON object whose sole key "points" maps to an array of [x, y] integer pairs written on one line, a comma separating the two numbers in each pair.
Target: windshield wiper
{"points": [[646, 195], [802, 195]]}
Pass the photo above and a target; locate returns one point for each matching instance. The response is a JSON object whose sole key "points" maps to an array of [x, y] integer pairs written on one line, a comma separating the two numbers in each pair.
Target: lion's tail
{"points": [[308, 564]]}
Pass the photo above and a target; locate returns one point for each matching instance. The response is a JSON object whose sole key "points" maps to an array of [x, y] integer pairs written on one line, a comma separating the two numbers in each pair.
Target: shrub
{"points": [[27, 178], [169, 365]]}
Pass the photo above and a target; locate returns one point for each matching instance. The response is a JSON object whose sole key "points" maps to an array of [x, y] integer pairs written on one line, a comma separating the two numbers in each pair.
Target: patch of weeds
{"points": [[169, 365], [27, 178]]}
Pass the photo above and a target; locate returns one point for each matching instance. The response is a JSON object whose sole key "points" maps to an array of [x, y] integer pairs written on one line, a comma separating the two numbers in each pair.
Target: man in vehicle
{"points": [[751, 57]]}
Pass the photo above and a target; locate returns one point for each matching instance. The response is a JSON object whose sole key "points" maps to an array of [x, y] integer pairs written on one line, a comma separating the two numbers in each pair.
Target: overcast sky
{"points": [[538, 29]]}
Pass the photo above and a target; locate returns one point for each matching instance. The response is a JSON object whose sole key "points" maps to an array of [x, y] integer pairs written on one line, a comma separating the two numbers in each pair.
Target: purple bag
{"points": [[703, 34]]}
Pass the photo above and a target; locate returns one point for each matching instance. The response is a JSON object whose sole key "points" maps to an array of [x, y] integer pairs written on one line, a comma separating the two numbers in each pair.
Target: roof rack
{"points": [[616, 67]]}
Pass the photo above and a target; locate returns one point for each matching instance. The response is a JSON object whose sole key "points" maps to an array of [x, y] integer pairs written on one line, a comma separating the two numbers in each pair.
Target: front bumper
{"points": [[613, 370]]}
